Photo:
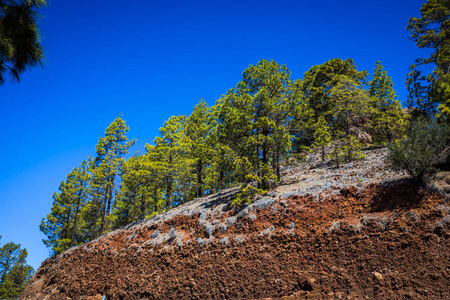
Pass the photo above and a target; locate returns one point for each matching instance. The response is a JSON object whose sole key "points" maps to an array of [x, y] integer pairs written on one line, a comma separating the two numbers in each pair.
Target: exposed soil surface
{"points": [[377, 239]]}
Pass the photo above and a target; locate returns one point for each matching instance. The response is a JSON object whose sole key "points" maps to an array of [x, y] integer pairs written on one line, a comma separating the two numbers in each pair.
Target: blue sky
{"points": [[149, 60]]}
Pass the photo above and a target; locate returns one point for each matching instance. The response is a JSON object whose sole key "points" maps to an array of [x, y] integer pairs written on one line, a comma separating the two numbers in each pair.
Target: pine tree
{"points": [[322, 135], [108, 165], [19, 37], [444, 106], [56, 225], [200, 126], [320, 79], [381, 86], [92, 211], [220, 173], [9, 254], [14, 271], [388, 119], [432, 31], [418, 93], [81, 208], [255, 117], [62, 226], [138, 195], [79, 190], [155, 174], [303, 124], [351, 102], [170, 160]]}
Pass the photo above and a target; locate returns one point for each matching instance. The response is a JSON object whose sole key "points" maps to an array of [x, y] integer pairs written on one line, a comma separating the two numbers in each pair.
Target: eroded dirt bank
{"points": [[386, 241]]}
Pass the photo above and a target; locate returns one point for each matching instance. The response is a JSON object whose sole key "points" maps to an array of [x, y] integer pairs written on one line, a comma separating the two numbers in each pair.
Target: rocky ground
{"points": [[361, 231]]}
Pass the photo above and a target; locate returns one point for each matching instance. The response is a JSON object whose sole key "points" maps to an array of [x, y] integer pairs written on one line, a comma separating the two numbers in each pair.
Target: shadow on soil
{"points": [[224, 197], [401, 194]]}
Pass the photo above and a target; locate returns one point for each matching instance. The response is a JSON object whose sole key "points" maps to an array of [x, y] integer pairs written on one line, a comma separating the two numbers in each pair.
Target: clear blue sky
{"points": [[149, 60]]}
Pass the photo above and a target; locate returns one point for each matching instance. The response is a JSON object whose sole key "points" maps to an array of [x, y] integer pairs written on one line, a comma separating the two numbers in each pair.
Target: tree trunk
{"points": [[76, 218], [108, 209], [278, 166], [349, 149], [66, 227], [199, 178], [155, 198], [337, 159], [221, 179], [6, 267], [169, 183], [94, 228], [95, 210], [133, 208], [265, 160], [110, 199], [169, 191], [102, 222], [258, 170], [274, 163], [142, 206]]}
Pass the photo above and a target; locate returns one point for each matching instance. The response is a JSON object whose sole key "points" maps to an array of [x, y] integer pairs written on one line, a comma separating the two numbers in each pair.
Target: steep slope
{"points": [[361, 231]]}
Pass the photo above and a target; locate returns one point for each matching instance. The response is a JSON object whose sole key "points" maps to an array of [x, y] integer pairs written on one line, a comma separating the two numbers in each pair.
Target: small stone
{"points": [[203, 216], [231, 220], [268, 231], [172, 233], [378, 275], [209, 230], [224, 241], [264, 202], [239, 238], [155, 234]]}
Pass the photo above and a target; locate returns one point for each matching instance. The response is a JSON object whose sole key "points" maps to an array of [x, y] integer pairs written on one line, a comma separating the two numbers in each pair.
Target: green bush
{"points": [[421, 149]]}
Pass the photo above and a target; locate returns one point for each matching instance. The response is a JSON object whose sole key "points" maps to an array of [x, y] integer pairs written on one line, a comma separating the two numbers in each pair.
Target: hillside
{"points": [[360, 231]]}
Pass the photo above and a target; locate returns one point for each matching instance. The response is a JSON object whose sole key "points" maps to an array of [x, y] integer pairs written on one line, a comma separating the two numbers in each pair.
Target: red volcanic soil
{"points": [[380, 242]]}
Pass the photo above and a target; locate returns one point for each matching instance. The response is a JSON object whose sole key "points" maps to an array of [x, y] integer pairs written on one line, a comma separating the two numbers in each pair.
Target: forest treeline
{"points": [[14, 270], [266, 120]]}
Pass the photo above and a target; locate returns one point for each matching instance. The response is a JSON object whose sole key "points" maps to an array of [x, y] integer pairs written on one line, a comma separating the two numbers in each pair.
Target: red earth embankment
{"points": [[381, 242]]}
